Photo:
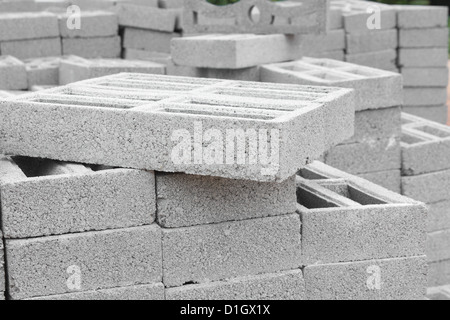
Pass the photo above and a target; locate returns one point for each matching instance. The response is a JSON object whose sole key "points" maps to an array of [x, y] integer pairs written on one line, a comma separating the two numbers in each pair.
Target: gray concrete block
{"points": [[357, 17], [422, 96], [423, 57], [40, 88], [377, 40], [425, 77], [439, 273], [385, 60], [437, 113], [288, 285], [157, 133], [438, 244], [101, 47], [390, 179], [425, 146], [27, 49], [84, 262], [93, 24], [365, 157], [420, 38], [137, 54], [147, 17], [316, 43], [335, 55], [43, 71], [410, 17], [287, 17], [245, 74], [389, 279], [439, 293], [170, 3], [429, 187], [13, 74], [233, 51], [147, 292], [374, 88], [188, 200], [28, 25], [148, 40], [231, 249], [75, 69], [439, 216], [335, 18], [48, 198]]}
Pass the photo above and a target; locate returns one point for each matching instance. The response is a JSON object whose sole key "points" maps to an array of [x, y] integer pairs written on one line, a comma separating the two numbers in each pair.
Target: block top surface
{"points": [[417, 131]]}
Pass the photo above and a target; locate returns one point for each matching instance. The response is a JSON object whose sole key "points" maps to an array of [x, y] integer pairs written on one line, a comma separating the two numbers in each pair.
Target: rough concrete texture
{"points": [[425, 77], [89, 119], [315, 43], [13, 74], [287, 285], [434, 113], [439, 293], [147, 292], [377, 40], [72, 198], [233, 51], [148, 40], [137, 54], [93, 24], [438, 243], [429, 187], [231, 249], [374, 88], [28, 25], [389, 279], [411, 17], [439, 216], [36, 48], [425, 146], [335, 55], [147, 17], [84, 262], [43, 71], [439, 273], [188, 200], [422, 96], [385, 60], [344, 221], [423, 57], [101, 47], [390, 179], [245, 74], [256, 16], [365, 157], [420, 38], [76, 69]]}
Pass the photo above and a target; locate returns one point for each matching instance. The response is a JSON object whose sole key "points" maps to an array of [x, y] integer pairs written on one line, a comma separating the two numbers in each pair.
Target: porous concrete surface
{"points": [[231, 249], [35, 48], [423, 38], [28, 25], [411, 17], [91, 48], [378, 40], [287, 285], [148, 40], [423, 57], [438, 273], [100, 260], [429, 187], [312, 44], [13, 74], [438, 243], [43, 71], [437, 113], [385, 60], [439, 216], [425, 77], [93, 24], [390, 179]]}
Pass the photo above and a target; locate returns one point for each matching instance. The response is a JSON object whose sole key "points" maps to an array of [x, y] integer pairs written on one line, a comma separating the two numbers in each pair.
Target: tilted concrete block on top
{"points": [[374, 88], [148, 121], [256, 16], [13, 74]]}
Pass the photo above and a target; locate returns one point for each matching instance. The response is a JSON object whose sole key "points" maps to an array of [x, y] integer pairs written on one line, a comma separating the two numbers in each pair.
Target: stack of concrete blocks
{"points": [[426, 178], [423, 56], [43, 71], [369, 41], [373, 152], [359, 241], [13, 74], [28, 35]]}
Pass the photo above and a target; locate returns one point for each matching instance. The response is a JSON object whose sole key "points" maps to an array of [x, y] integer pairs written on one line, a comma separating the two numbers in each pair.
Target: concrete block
{"points": [[365, 157], [425, 146], [378, 40], [45, 197], [316, 43], [77, 69], [84, 262], [344, 220], [158, 133], [147, 292], [439, 273], [245, 74], [357, 17], [188, 200], [40, 88], [137, 54], [231, 249], [390, 179], [147, 17], [335, 18], [385, 60], [18, 6], [288, 285], [43, 71], [234, 51], [420, 38], [28, 25], [411, 17], [438, 244], [335, 55], [422, 96], [256, 16], [13, 74], [93, 24], [439, 216], [434, 113], [27, 49], [170, 3], [439, 293], [389, 279], [429, 187], [374, 88], [425, 77], [101, 47], [2, 268], [148, 40], [423, 57]]}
